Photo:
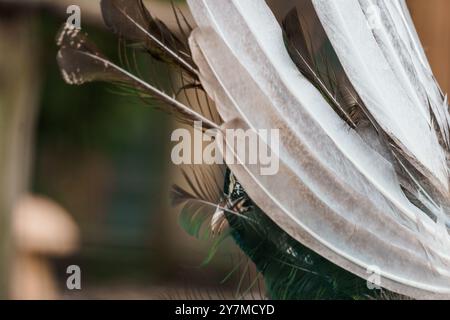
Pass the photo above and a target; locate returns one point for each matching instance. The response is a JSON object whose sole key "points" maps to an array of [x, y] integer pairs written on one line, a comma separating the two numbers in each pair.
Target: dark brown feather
{"points": [[80, 62], [131, 20]]}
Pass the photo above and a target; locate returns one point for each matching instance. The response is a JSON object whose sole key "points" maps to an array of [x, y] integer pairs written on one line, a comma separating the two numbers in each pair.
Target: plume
{"points": [[80, 62], [321, 55], [364, 137], [336, 192], [130, 19]]}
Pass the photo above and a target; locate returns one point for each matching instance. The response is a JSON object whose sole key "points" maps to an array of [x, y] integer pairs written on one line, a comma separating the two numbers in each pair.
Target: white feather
{"points": [[333, 192]]}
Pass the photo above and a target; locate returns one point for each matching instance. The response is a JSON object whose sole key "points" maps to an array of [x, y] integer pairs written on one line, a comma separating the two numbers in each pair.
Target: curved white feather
{"points": [[362, 31], [331, 184]]}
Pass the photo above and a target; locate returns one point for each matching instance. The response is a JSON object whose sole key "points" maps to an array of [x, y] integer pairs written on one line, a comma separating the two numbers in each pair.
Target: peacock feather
{"points": [[364, 137]]}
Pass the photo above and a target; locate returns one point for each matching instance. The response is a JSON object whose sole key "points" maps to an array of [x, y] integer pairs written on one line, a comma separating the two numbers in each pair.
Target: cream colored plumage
{"points": [[368, 194], [335, 192]]}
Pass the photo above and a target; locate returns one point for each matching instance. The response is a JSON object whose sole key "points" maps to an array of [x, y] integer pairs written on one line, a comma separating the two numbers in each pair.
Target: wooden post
{"points": [[18, 92]]}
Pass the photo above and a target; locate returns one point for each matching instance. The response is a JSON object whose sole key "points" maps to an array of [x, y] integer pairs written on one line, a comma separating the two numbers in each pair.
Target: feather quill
{"points": [[131, 19]]}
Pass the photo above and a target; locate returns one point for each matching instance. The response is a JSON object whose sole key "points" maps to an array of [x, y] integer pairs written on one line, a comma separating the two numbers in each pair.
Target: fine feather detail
{"points": [[204, 200], [297, 46], [331, 183], [297, 37], [397, 96], [80, 62], [356, 184], [132, 22], [131, 19]]}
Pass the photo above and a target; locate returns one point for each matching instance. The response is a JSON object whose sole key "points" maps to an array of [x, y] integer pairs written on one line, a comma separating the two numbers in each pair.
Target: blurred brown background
{"points": [[85, 173], [433, 24]]}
